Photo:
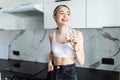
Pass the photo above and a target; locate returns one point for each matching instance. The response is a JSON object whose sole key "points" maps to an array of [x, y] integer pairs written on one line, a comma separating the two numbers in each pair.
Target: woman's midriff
{"points": [[63, 61]]}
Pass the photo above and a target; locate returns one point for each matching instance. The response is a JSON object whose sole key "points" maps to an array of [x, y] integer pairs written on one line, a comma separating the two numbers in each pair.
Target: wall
{"points": [[33, 45]]}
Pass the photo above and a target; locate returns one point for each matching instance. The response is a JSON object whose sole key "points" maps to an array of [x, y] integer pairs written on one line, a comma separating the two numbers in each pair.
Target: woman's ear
{"points": [[54, 18]]}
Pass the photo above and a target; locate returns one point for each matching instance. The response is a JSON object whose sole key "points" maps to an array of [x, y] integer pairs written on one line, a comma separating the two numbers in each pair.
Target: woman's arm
{"points": [[50, 65], [78, 46]]}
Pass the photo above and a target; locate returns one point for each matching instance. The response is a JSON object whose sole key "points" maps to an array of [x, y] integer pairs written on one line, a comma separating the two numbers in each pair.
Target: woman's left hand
{"points": [[77, 43], [75, 40]]}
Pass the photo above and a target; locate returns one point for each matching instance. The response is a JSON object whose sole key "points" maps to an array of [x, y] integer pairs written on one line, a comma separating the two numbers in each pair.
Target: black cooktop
{"points": [[20, 68]]}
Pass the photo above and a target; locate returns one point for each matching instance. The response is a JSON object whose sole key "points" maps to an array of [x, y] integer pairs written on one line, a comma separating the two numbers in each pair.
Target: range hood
{"points": [[24, 8]]}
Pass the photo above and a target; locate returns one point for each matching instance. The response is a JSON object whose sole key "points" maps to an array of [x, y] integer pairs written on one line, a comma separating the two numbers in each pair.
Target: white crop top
{"points": [[62, 50]]}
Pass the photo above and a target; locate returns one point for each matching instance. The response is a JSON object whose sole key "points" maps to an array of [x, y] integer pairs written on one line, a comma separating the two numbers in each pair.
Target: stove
{"points": [[24, 70]]}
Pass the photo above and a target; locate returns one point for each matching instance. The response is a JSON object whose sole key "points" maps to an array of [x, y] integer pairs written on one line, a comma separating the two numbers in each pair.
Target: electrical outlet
{"points": [[109, 61], [17, 53]]}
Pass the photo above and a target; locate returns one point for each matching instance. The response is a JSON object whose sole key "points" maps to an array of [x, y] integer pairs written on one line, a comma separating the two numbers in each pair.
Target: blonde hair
{"points": [[58, 7]]}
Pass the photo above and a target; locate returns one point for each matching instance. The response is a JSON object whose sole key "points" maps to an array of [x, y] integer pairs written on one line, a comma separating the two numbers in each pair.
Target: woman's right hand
{"points": [[50, 67]]}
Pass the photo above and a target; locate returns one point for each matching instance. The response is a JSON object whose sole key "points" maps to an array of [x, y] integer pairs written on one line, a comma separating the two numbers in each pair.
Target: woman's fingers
{"points": [[50, 68], [73, 34], [74, 40], [73, 37]]}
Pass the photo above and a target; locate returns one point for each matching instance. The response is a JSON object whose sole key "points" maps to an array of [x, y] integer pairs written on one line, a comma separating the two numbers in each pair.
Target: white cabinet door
{"points": [[103, 13], [11, 22], [77, 8]]}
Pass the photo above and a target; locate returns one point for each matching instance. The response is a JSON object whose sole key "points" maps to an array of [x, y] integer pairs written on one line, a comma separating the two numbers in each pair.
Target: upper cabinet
{"points": [[16, 18], [20, 14], [84, 13], [24, 8], [11, 22], [103, 13], [77, 8]]}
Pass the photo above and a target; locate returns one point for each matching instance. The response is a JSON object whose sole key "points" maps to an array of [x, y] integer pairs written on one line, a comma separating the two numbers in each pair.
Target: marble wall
{"points": [[33, 45]]}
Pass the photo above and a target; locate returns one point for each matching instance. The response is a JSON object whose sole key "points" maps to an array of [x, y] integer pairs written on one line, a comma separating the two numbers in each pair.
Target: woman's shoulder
{"points": [[51, 34], [78, 32]]}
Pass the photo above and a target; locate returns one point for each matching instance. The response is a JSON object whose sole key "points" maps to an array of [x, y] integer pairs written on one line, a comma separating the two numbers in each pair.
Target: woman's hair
{"points": [[58, 7]]}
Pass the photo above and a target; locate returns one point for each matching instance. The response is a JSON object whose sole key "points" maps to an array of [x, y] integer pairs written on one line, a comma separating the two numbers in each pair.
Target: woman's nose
{"points": [[65, 15]]}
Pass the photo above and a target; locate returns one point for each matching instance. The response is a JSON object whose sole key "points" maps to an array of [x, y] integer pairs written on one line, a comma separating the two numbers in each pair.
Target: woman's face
{"points": [[62, 16]]}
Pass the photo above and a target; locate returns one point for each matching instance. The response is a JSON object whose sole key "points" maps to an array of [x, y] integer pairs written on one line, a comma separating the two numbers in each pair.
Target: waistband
{"points": [[62, 66]]}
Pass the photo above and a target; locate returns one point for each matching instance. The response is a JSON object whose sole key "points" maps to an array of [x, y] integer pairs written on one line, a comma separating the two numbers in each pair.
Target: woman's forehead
{"points": [[63, 9]]}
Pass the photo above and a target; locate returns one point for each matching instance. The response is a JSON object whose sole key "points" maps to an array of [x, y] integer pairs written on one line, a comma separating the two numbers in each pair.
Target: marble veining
{"points": [[33, 45], [14, 38], [108, 36]]}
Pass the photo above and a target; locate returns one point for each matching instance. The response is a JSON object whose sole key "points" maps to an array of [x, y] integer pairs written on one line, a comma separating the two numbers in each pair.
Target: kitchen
{"points": [[24, 34]]}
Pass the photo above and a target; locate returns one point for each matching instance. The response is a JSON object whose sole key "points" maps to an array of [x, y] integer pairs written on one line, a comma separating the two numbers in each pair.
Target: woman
{"points": [[66, 46]]}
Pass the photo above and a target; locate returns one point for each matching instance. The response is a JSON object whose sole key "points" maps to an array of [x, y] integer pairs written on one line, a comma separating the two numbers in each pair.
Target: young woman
{"points": [[66, 46]]}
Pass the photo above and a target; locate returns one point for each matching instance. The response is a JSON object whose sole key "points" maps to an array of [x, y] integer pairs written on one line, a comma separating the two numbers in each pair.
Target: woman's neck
{"points": [[63, 29]]}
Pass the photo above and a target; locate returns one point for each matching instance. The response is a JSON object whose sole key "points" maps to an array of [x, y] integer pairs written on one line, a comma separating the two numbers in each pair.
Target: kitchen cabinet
{"points": [[15, 18], [103, 13], [11, 22], [78, 13]]}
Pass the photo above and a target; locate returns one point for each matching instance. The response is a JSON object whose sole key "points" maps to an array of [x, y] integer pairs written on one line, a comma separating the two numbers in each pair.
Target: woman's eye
{"points": [[61, 13], [64, 13], [68, 14]]}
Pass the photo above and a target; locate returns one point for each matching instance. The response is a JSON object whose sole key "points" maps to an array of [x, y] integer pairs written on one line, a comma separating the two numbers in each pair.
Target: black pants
{"points": [[63, 72]]}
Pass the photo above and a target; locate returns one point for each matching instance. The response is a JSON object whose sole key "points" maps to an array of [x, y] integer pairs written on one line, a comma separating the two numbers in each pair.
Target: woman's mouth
{"points": [[65, 20]]}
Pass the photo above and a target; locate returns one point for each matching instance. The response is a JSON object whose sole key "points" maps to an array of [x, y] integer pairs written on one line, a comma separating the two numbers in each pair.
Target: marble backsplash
{"points": [[33, 45]]}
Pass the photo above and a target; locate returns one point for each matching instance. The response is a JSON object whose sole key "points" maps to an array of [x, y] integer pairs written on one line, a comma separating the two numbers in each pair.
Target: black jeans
{"points": [[64, 72]]}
